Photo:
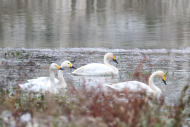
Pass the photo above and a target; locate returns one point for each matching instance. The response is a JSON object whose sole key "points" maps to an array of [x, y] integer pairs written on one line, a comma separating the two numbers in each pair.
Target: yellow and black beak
{"points": [[114, 59], [71, 66], [59, 67], [164, 79]]}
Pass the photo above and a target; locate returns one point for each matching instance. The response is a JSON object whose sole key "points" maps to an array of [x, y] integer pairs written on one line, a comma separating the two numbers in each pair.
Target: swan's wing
{"points": [[41, 84], [94, 69], [39, 80], [133, 86]]}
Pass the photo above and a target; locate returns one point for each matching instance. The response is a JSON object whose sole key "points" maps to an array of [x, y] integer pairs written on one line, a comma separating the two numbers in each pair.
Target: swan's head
{"points": [[110, 56], [162, 75], [67, 64], [54, 66]]}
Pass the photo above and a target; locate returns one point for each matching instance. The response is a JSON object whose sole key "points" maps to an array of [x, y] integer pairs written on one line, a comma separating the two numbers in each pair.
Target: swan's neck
{"points": [[106, 60], [152, 85], [61, 79], [52, 76]]}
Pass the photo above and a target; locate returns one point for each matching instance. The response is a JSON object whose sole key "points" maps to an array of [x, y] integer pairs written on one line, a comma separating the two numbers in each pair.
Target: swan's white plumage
{"points": [[48, 84], [98, 68], [40, 84], [94, 69], [135, 86]]}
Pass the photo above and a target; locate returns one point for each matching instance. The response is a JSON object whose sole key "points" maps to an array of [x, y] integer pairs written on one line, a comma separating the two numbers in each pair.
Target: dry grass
{"points": [[89, 108]]}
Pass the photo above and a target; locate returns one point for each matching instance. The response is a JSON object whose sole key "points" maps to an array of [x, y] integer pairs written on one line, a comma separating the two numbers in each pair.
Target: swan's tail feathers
{"points": [[74, 73], [111, 87], [23, 86]]}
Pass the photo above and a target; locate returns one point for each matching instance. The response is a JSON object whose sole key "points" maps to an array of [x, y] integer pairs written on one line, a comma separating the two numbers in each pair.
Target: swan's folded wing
{"points": [[41, 84], [93, 69], [133, 86]]}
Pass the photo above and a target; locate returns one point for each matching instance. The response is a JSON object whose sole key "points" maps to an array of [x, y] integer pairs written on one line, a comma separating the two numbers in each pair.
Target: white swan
{"points": [[135, 86], [98, 68], [48, 84], [62, 83]]}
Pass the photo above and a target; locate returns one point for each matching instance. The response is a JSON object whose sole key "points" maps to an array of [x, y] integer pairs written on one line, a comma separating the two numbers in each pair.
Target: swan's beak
{"points": [[164, 79], [114, 59], [71, 66], [59, 67], [164, 82]]}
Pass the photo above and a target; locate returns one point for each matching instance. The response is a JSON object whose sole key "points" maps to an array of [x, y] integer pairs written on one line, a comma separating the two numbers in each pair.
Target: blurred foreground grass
{"points": [[92, 108]]}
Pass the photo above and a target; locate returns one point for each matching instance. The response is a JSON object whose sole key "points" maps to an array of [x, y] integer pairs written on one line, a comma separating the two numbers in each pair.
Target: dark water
{"points": [[19, 65], [95, 23]]}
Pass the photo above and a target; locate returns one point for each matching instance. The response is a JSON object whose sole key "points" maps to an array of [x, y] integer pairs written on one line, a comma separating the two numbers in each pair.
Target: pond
{"points": [[117, 24], [144, 35], [19, 65], [152, 35]]}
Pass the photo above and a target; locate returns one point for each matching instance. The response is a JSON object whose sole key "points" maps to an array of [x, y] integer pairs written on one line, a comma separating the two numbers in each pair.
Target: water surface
{"points": [[19, 65], [122, 24]]}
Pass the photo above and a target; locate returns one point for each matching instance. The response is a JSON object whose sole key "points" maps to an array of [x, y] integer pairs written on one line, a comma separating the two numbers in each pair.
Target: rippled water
{"points": [[95, 23], [19, 65]]}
